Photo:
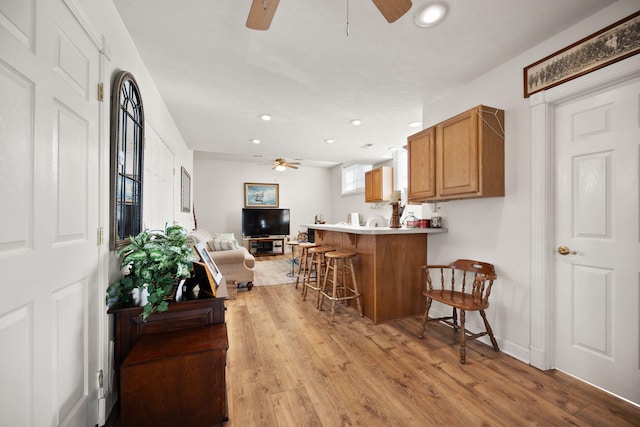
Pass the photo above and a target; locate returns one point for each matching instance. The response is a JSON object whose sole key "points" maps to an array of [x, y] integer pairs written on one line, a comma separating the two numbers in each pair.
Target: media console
{"points": [[265, 246]]}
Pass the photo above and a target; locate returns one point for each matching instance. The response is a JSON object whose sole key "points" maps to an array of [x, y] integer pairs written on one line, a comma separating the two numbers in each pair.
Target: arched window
{"points": [[127, 155]]}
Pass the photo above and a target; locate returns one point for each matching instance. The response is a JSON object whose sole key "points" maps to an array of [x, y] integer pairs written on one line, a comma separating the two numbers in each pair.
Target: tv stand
{"points": [[265, 246]]}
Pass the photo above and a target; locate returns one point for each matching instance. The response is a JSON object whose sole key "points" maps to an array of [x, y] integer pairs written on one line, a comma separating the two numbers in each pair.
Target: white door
{"points": [[597, 199], [49, 209]]}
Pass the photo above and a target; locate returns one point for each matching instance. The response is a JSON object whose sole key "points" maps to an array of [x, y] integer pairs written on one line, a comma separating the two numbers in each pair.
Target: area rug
{"points": [[268, 273]]}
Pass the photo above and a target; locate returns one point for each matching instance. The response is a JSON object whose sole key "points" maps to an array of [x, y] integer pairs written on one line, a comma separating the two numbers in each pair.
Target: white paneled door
{"points": [[597, 223], [49, 70]]}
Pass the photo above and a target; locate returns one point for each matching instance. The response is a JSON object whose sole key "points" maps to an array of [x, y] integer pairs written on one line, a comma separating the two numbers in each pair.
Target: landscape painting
{"points": [[261, 195]]}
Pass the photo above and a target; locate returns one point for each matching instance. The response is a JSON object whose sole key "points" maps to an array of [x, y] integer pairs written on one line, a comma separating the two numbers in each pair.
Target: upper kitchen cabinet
{"points": [[378, 184], [421, 155], [469, 157]]}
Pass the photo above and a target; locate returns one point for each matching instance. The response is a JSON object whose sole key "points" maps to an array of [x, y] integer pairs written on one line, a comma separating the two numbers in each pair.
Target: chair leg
{"points": [[303, 260], [322, 285], [335, 290], [463, 338], [320, 302], [454, 320], [355, 288], [307, 279], [489, 331], [425, 318]]}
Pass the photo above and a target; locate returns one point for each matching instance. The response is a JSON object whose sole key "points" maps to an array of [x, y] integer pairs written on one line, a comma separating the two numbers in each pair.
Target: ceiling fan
{"points": [[262, 11], [281, 164]]}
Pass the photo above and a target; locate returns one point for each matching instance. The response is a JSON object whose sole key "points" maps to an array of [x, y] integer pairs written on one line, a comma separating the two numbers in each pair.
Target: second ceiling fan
{"points": [[281, 164], [262, 11]]}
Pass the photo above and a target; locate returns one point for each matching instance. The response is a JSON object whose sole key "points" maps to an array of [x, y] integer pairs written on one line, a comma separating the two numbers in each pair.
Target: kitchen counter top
{"points": [[373, 230]]}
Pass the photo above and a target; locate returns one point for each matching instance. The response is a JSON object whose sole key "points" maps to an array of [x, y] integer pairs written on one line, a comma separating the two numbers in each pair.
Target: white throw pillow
{"points": [[224, 236], [222, 245]]}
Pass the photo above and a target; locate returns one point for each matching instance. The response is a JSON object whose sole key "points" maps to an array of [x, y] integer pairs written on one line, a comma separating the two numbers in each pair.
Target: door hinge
{"points": [[101, 92], [99, 236], [100, 379]]}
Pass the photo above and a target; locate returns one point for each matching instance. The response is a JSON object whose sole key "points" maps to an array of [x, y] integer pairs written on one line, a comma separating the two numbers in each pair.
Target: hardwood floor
{"points": [[288, 365]]}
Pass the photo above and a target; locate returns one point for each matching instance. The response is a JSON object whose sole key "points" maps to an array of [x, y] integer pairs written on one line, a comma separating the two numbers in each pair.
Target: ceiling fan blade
{"points": [[261, 14], [392, 10], [289, 165]]}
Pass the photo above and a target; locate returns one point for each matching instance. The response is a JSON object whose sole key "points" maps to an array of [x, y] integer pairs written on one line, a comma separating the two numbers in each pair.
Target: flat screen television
{"points": [[264, 222]]}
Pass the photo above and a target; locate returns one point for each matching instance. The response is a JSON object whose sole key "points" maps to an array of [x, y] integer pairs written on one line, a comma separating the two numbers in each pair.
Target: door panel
{"points": [[457, 154], [49, 192], [597, 217]]}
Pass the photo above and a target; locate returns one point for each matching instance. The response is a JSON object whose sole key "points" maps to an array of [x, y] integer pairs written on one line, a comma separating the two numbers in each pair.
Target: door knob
{"points": [[563, 250]]}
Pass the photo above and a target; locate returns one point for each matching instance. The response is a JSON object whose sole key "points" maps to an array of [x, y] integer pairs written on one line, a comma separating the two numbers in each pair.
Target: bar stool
{"points": [[340, 262], [317, 263], [302, 267]]}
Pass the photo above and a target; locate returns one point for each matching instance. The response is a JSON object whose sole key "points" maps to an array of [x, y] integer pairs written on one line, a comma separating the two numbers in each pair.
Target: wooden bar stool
{"points": [[302, 267], [313, 278], [341, 264]]}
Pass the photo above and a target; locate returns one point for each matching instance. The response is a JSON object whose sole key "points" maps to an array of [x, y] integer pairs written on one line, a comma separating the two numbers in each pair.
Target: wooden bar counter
{"points": [[387, 265]]}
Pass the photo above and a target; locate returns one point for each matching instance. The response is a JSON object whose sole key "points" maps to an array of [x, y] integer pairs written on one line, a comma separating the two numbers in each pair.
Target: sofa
{"points": [[234, 260]]}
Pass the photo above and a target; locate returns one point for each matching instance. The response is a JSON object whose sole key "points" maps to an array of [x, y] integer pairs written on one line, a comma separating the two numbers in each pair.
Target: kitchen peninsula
{"points": [[387, 265]]}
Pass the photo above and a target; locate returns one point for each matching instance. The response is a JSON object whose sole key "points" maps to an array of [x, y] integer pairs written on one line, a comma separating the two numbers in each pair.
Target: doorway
{"points": [[574, 296]]}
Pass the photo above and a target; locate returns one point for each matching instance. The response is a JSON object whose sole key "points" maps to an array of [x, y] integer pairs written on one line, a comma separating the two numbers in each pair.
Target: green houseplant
{"points": [[155, 260]]}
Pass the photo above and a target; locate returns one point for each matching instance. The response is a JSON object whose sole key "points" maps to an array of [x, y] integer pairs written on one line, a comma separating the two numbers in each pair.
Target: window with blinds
{"points": [[353, 178]]}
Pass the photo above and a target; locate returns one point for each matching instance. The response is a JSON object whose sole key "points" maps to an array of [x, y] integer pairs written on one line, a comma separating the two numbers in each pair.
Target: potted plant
{"points": [[154, 262]]}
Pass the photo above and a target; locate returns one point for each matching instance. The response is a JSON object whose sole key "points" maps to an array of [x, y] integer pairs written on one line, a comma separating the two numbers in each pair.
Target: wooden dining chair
{"points": [[465, 285]]}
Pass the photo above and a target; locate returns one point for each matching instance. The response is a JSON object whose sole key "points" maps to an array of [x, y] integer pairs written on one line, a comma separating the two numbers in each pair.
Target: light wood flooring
{"points": [[289, 365]]}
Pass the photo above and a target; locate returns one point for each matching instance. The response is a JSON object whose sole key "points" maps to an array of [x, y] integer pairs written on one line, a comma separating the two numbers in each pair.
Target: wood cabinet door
{"points": [[368, 186], [422, 166], [457, 155]]}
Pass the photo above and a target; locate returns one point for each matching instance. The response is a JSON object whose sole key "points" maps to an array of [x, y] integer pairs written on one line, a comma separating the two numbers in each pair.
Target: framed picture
{"points": [[212, 268], [185, 190], [261, 195], [611, 44]]}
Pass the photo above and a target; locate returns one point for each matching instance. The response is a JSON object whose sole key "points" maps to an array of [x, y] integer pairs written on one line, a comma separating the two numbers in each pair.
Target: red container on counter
{"points": [[424, 223]]}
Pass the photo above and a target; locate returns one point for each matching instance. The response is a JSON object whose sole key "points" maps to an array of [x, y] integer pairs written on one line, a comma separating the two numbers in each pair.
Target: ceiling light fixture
{"points": [[265, 117], [415, 124], [281, 168], [431, 14], [356, 122], [255, 141], [329, 141]]}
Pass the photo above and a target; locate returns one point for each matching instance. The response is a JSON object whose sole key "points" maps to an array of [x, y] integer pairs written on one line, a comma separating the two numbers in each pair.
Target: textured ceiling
{"points": [[216, 76]]}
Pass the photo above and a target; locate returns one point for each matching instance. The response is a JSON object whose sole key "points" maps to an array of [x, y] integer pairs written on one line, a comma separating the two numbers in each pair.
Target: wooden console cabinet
{"points": [[462, 157], [190, 319], [176, 378], [129, 326]]}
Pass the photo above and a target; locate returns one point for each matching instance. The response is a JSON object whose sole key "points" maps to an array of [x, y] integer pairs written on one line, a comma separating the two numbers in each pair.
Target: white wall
{"points": [[219, 192], [123, 55], [497, 229]]}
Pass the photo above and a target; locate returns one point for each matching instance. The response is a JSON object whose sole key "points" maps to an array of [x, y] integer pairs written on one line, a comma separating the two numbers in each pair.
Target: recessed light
{"points": [[329, 141], [356, 122], [265, 117], [415, 124], [431, 14], [255, 141]]}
